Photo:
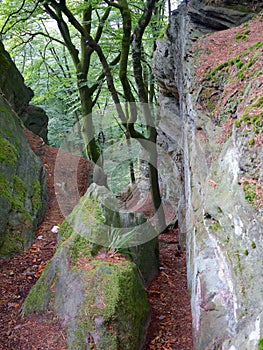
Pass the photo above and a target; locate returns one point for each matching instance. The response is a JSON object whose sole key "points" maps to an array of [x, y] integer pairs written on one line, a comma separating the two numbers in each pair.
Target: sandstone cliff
{"points": [[211, 106]]}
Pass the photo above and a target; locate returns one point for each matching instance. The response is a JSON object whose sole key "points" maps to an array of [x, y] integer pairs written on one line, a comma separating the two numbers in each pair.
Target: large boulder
{"points": [[36, 120], [22, 185], [98, 295]]}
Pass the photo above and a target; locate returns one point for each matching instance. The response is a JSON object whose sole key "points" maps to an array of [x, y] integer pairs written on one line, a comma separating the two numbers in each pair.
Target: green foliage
{"points": [[260, 344], [47, 66], [250, 192], [255, 121]]}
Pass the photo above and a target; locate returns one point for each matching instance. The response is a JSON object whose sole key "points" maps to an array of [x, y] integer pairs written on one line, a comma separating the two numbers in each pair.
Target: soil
{"points": [[170, 325]]}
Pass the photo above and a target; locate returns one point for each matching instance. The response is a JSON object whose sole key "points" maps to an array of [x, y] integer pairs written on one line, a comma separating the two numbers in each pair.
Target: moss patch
{"points": [[5, 188], [13, 244], [116, 305], [260, 344], [15, 193], [8, 152], [79, 247], [20, 191], [36, 197], [39, 296]]}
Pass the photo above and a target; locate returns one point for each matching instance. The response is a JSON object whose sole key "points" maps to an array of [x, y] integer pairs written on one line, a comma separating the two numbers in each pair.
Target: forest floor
{"points": [[170, 325]]}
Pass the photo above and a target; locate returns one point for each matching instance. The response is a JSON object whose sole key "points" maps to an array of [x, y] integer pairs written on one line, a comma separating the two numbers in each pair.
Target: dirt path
{"points": [[170, 326]]}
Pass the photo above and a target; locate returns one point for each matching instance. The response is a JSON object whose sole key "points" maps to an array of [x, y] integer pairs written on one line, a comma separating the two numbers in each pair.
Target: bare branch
{"points": [[3, 31]]}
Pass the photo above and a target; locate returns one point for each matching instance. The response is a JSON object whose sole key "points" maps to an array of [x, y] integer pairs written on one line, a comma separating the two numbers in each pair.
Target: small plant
{"points": [[253, 191], [256, 46], [243, 35], [119, 237], [260, 344]]}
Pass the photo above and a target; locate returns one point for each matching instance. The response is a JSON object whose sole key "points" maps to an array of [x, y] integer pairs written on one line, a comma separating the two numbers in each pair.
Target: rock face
{"points": [[36, 120], [102, 303], [12, 83], [22, 185], [212, 122], [219, 15], [14, 90]]}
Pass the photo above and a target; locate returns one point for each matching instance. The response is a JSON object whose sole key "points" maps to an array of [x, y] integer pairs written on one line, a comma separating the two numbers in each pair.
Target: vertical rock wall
{"points": [[220, 229], [22, 185]]}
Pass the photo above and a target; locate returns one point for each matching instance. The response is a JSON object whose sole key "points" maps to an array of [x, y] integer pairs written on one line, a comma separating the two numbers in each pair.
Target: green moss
{"points": [[13, 244], [260, 344], [39, 296], [5, 188], [65, 231], [116, 298], [36, 197], [215, 226], [8, 152], [80, 246], [250, 192], [253, 245], [15, 195], [240, 8], [239, 266], [20, 191]]}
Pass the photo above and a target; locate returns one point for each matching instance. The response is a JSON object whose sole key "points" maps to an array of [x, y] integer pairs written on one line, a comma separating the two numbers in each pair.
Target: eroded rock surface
{"points": [[211, 104]]}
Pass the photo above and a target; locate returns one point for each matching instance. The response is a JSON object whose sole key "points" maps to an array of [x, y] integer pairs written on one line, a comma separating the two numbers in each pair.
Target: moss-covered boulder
{"points": [[97, 218], [98, 293], [103, 305], [22, 185]]}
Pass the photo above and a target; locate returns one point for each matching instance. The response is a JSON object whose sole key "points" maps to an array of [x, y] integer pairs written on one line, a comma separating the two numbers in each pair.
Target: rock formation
{"points": [[100, 300], [22, 176], [22, 185], [14, 90], [211, 120]]}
